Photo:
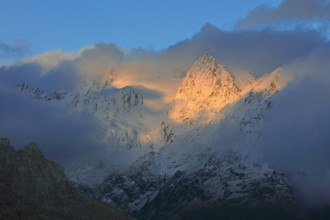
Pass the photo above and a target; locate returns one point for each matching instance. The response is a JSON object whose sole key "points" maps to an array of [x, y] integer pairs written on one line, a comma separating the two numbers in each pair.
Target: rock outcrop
{"points": [[32, 187]]}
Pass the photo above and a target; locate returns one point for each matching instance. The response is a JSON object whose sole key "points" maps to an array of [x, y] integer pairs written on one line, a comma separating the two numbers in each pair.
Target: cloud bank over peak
{"points": [[304, 13], [295, 140], [252, 51]]}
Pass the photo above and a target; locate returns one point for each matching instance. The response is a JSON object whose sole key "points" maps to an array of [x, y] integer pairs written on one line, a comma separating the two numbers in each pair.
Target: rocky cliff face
{"points": [[32, 187]]}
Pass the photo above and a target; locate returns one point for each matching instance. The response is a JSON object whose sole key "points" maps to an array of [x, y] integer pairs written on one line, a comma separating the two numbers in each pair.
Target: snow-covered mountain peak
{"points": [[205, 72], [207, 87], [269, 83], [205, 59]]}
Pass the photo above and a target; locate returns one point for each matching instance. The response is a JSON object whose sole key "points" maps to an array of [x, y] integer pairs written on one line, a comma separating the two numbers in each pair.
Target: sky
{"points": [[38, 26], [150, 45]]}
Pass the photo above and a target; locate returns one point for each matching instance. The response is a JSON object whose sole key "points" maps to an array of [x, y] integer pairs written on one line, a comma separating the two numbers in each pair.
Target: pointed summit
{"points": [[206, 58], [269, 83], [207, 72], [207, 66], [207, 87]]}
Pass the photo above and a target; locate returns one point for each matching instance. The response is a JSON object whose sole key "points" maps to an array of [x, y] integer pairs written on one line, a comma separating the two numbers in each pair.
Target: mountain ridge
{"points": [[206, 139], [209, 86], [189, 142], [33, 187]]}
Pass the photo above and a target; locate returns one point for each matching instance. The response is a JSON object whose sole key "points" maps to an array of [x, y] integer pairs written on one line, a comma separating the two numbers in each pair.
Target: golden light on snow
{"points": [[208, 87], [165, 88]]}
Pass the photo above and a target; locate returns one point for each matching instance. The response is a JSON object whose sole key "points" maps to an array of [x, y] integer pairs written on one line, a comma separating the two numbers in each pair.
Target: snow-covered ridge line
{"points": [[209, 86], [38, 94]]}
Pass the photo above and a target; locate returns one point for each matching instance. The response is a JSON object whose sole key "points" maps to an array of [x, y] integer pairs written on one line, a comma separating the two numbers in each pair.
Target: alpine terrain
{"points": [[195, 159]]}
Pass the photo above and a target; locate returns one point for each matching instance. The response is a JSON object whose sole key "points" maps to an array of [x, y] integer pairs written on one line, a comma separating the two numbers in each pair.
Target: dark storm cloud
{"points": [[61, 137], [289, 11], [17, 49], [13, 74], [62, 76], [37, 76], [296, 128], [295, 132], [315, 65], [253, 51], [295, 138]]}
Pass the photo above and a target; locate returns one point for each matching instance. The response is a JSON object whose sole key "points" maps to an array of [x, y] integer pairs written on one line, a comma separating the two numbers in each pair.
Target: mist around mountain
{"points": [[241, 130], [200, 155]]}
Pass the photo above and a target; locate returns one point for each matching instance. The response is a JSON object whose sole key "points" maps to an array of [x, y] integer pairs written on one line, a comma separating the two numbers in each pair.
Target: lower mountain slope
{"points": [[204, 184], [32, 187]]}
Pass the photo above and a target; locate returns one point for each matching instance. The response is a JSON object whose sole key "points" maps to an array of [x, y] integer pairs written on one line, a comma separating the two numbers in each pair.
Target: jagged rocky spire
{"points": [[207, 87]]}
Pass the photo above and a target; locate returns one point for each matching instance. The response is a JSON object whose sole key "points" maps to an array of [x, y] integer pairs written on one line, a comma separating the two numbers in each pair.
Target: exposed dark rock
{"points": [[32, 187], [36, 93]]}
